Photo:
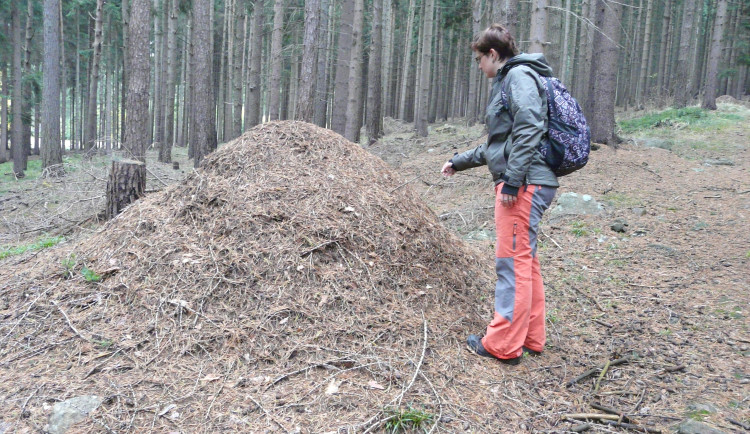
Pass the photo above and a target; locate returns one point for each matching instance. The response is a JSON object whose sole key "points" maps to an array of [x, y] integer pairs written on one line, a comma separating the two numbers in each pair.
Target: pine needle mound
{"points": [[294, 281]]}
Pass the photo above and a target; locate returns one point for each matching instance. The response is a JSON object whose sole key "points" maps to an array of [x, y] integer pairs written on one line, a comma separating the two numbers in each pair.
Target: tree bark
{"points": [[375, 89], [406, 66], [641, 88], [604, 73], [353, 106], [274, 91], [89, 130], [240, 31], [306, 101], [16, 139], [204, 104], [252, 117], [4, 114], [426, 69], [341, 89], [538, 31], [321, 76], [139, 78], [165, 151], [663, 52], [714, 57], [126, 183]]}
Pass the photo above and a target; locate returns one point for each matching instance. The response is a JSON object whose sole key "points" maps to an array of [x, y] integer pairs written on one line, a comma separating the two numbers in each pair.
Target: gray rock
{"points": [[480, 235], [575, 204], [619, 225], [718, 162], [66, 413], [639, 211], [690, 426], [5, 427], [651, 142], [706, 407]]}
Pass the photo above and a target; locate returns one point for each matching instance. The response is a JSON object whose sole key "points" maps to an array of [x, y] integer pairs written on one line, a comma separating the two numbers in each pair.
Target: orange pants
{"points": [[519, 292]]}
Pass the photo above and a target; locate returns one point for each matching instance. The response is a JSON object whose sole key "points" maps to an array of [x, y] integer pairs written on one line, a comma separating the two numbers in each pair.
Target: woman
{"points": [[524, 189]]}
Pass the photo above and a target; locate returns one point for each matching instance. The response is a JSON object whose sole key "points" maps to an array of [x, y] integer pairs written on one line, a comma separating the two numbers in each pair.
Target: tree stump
{"points": [[126, 184]]}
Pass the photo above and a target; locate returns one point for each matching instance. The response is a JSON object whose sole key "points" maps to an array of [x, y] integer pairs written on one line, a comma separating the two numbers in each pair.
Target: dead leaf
{"points": [[211, 377], [332, 388], [374, 385]]}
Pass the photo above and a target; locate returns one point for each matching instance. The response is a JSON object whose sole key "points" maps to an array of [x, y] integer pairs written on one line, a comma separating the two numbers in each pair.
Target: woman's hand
{"points": [[448, 169], [508, 201]]}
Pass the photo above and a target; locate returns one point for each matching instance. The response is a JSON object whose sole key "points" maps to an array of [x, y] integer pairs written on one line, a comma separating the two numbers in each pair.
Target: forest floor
{"points": [[670, 293]]}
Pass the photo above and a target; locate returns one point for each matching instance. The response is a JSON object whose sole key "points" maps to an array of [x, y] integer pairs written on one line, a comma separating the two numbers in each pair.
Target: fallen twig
{"points": [[70, 324], [631, 426], [593, 371], [611, 410], [603, 373], [592, 416], [268, 414], [738, 423]]}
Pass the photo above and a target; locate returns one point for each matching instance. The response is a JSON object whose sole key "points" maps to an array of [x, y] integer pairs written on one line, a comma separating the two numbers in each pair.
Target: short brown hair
{"points": [[497, 37]]}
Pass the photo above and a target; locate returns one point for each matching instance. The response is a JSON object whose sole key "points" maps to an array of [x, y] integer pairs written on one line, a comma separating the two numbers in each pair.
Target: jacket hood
{"points": [[535, 61]]}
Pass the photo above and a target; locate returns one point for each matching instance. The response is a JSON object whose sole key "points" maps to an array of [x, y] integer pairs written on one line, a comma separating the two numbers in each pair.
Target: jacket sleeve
{"points": [[528, 108], [469, 159]]}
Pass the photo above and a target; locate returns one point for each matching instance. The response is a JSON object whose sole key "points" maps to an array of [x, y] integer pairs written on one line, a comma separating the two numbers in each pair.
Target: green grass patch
{"points": [[620, 199], [689, 118], [407, 420], [41, 243], [90, 275], [698, 415], [579, 228]]}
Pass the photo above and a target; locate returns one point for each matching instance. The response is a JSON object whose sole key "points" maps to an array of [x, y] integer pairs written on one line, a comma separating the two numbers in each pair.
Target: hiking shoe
{"points": [[474, 343], [531, 352]]}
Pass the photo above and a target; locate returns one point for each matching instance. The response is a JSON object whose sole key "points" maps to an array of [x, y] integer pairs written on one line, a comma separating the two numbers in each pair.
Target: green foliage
{"points": [[69, 264], [698, 415], [690, 118], [409, 419], [41, 243], [90, 275], [578, 228]]}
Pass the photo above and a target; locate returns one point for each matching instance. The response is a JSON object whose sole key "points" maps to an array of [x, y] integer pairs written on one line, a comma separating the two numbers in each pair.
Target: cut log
{"points": [[126, 184]]}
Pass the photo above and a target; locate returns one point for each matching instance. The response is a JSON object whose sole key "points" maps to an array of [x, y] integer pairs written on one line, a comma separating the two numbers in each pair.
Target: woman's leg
{"points": [[514, 263]]}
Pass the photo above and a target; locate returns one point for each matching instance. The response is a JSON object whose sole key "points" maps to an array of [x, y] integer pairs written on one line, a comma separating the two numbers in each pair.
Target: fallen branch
{"points": [[738, 423], [611, 410], [631, 426], [599, 380], [268, 414], [592, 416], [70, 324], [593, 371]]}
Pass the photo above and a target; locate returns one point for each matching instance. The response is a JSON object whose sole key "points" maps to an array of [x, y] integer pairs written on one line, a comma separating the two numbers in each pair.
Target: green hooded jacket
{"points": [[511, 152]]}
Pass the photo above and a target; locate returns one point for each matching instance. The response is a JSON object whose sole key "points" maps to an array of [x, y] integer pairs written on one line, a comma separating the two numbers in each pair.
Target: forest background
{"points": [[199, 73]]}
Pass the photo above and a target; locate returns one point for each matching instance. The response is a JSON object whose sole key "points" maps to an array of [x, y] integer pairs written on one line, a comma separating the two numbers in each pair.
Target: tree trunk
{"points": [[641, 88], [474, 75], [341, 90], [28, 97], [663, 52], [4, 114], [353, 109], [604, 74], [375, 88], [566, 38], [157, 98], [240, 32], [89, 131], [226, 104], [64, 83], [426, 69], [511, 17], [538, 29], [274, 91], [714, 57], [204, 105], [407, 64], [137, 135], [252, 117], [306, 101], [126, 183], [165, 151], [16, 139], [321, 76]]}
